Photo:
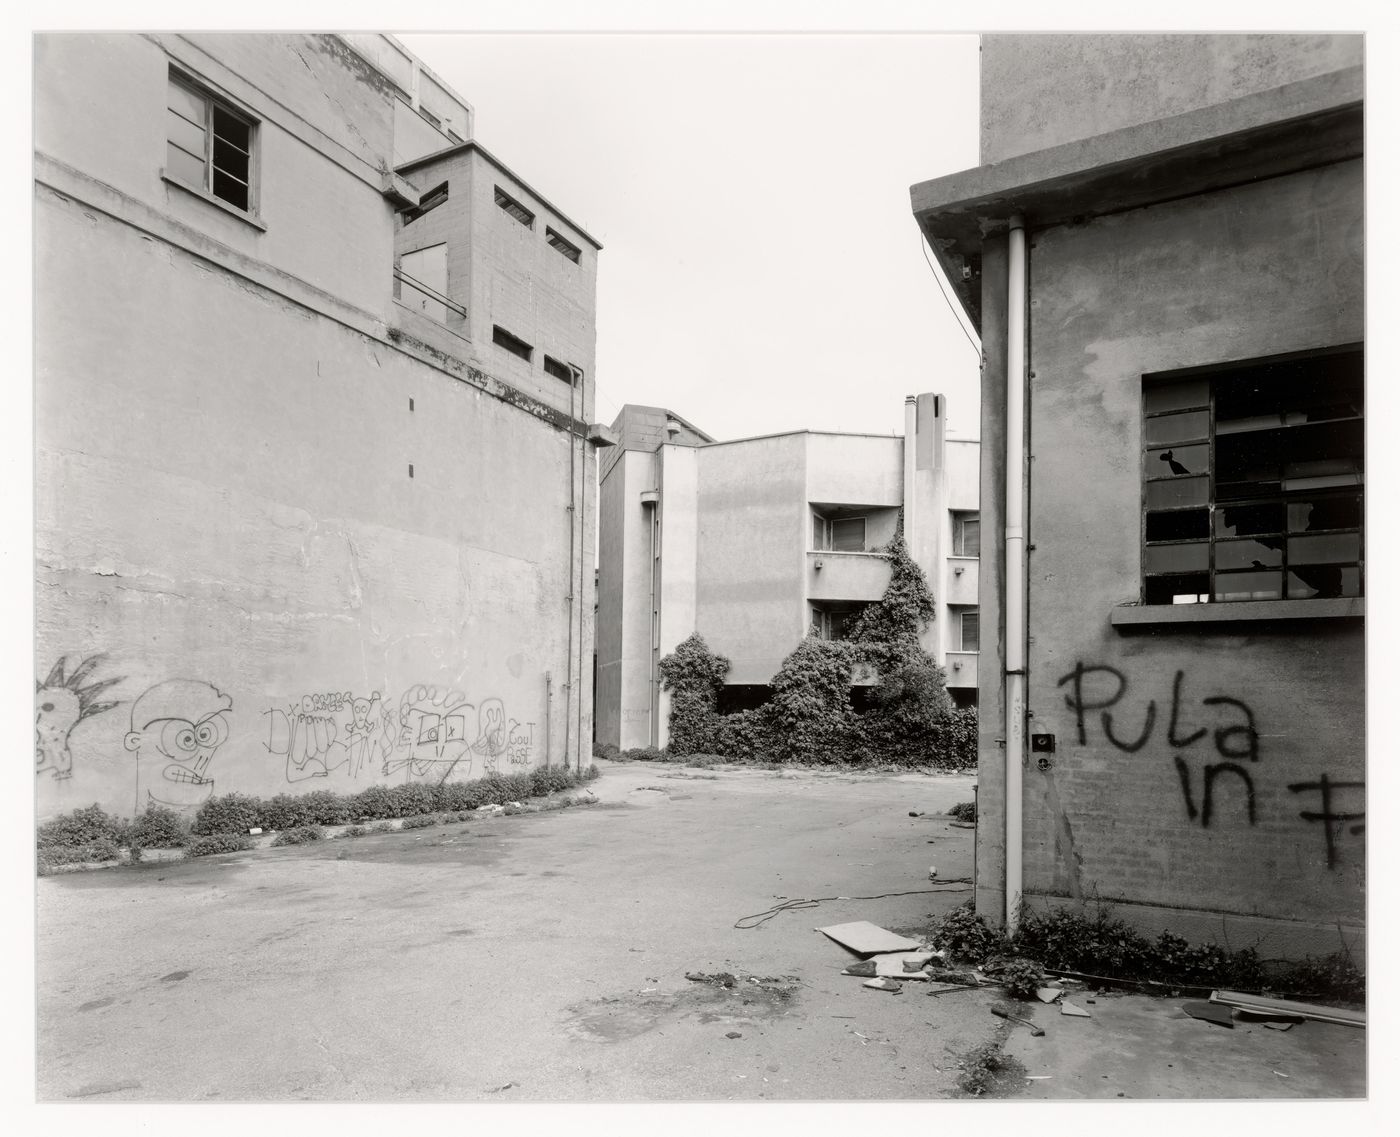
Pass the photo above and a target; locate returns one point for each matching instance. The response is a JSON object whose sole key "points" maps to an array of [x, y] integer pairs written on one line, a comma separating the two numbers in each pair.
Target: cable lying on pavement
{"points": [[745, 923]]}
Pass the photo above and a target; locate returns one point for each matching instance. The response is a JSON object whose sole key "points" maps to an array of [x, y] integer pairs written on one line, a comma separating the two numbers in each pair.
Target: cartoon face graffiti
{"points": [[432, 733], [59, 705], [176, 727]]}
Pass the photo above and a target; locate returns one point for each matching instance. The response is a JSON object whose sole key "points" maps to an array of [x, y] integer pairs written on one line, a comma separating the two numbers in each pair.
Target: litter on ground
{"points": [[883, 985], [1210, 1012], [1068, 1008], [1048, 994], [865, 938], [1261, 1004]]}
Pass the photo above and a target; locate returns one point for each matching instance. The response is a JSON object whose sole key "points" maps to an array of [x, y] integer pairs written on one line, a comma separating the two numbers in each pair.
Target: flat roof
{"points": [[463, 147]]}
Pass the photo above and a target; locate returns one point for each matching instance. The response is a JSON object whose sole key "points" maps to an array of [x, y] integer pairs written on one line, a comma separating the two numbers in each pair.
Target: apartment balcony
{"points": [[962, 581], [961, 668], [847, 576]]}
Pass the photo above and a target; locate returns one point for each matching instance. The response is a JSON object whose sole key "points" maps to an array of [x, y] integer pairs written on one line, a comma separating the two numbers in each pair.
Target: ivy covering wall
{"points": [[908, 719]]}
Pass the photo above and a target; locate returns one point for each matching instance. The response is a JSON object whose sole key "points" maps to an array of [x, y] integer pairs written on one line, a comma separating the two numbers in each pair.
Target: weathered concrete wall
{"points": [[854, 469], [624, 595], [679, 479], [274, 552], [754, 531], [1042, 90], [1142, 720]]}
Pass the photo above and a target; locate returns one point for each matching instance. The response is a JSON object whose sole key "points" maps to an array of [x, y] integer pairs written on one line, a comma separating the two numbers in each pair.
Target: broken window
{"points": [[560, 245], [1253, 481], [209, 144], [514, 208], [513, 344], [420, 281]]}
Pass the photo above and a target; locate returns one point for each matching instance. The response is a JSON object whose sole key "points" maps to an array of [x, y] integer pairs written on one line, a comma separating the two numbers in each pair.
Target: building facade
{"points": [[1163, 251], [301, 523], [758, 542]]}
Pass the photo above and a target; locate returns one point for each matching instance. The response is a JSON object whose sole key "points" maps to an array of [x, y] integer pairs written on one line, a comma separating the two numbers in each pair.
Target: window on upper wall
{"points": [[514, 208], [209, 144], [969, 631], [560, 371], [967, 540], [1253, 480], [426, 204], [561, 246], [513, 344], [838, 534], [836, 620]]}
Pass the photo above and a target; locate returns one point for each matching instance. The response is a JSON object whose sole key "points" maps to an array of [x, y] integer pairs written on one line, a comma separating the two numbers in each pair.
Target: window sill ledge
{"points": [[1153, 615], [218, 203]]}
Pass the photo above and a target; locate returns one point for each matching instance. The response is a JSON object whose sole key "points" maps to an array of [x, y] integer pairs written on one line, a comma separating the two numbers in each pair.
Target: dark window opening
{"points": [[559, 370], [1253, 482], [838, 534], [736, 697], [513, 344], [559, 245], [209, 145], [514, 208], [426, 204], [967, 535], [836, 620]]}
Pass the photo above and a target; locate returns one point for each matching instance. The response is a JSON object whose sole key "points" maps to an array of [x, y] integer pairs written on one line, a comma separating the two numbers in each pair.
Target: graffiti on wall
{"points": [[328, 731], [433, 733], [1098, 689], [61, 702], [176, 728]]}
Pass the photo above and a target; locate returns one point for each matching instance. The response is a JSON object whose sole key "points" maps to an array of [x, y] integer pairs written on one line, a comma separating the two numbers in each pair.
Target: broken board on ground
{"points": [[865, 938]]}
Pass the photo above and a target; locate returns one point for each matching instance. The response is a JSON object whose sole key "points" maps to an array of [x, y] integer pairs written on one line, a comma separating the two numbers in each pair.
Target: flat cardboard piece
{"points": [[864, 938], [892, 964], [1068, 1008], [1048, 994]]}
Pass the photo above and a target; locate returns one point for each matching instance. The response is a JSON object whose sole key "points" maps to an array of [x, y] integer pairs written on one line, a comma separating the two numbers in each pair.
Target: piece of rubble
{"points": [[1048, 994], [883, 985], [1068, 1008], [865, 938], [1210, 1012]]}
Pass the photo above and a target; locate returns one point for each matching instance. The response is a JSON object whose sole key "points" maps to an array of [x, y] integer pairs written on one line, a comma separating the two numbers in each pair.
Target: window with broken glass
{"points": [[1253, 481], [209, 145]]}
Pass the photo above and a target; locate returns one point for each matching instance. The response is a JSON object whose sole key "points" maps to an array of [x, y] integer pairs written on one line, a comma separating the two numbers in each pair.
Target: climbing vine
{"points": [[693, 674]]}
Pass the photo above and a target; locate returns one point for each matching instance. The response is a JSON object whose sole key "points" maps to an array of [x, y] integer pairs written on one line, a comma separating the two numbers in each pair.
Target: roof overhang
{"points": [[1310, 123]]}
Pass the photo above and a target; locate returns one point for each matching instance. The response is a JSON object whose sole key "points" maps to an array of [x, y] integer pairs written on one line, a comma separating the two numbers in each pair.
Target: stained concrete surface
{"points": [[543, 958]]}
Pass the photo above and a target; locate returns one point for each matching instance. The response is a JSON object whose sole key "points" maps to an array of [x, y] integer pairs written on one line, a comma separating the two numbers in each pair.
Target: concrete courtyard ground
{"points": [[543, 957]]}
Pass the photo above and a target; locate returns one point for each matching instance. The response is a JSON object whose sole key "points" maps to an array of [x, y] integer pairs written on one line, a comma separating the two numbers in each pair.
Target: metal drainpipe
{"points": [[1015, 562], [548, 711], [573, 600], [582, 533], [911, 430]]}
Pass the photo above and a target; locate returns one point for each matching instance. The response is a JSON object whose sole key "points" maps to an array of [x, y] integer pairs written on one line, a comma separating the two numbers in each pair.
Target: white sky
{"points": [[761, 268]]}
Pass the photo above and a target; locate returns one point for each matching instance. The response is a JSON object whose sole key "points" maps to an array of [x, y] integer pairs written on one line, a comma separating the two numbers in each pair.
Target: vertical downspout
{"points": [[577, 384], [573, 514], [911, 430], [1015, 561], [548, 711]]}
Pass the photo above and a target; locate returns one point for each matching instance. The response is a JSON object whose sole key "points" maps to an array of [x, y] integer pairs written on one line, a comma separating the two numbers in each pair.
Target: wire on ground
{"points": [[745, 923]]}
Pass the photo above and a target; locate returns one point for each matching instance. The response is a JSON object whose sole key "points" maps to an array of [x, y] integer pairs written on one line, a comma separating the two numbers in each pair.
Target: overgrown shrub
{"points": [[421, 821], [987, 1069], [908, 705], [502, 788], [158, 828], [94, 852], [643, 754], [301, 835], [606, 751], [218, 843], [810, 713], [548, 780], [743, 735], [962, 934], [1334, 978], [409, 798], [907, 607], [372, 801], [457, 796], [693, 675], [964, 811], [955, 739], [228, 813], [81, 828], [1021, 978], [1069, 940]]}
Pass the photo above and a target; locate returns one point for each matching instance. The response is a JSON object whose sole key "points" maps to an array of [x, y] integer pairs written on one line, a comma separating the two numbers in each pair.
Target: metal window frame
{"points": [[211, 99], [1210, 375]]}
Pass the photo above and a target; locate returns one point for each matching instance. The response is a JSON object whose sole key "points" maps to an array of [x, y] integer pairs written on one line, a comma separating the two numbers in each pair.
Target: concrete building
{"points": [[304, 519], [758, 542], [1163, 251]]}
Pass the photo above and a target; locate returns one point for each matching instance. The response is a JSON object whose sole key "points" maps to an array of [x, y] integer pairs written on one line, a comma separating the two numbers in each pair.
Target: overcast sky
{"points": [[761, 268]]}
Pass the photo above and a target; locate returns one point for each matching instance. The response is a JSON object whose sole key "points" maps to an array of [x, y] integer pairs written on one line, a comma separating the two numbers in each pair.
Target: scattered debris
{"points": [[499, 1089], [1068, 1008], [933, 872], [963, 824], [865, 938], [915, 813], [1267, 1018], [947, 975], [254, 832], [1002, 1013], [1280, 1073], [1261, 1003], [1038, 1077], [1210, 1012], [865, 969], [1048, 994], [1280, 1026], [883, 985], [719, 979], [490, 809], [733, 1034]]}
